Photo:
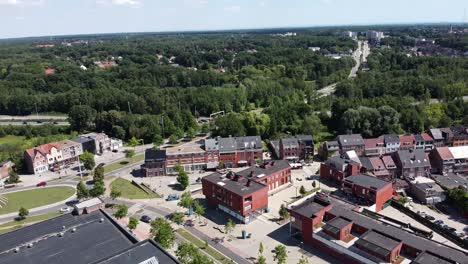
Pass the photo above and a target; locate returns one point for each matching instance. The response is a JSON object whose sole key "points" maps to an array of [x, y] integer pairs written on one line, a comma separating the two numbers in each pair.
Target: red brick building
{"points": [[338, 168], [369, 190], [334, 228], [245, 193], [240, 151]]}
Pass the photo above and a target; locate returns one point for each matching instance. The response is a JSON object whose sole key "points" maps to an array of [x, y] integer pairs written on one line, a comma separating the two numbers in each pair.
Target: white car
{"points": [[65, 209]]}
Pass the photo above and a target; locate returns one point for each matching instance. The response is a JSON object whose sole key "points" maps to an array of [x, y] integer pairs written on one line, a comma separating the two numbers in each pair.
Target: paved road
{"points": [[33, 123], [32, 117], [364, 50]]}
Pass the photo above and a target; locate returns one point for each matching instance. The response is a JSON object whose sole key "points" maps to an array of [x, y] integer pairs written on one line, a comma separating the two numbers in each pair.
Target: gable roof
{"points": [[413, 159], [444, 153], [350, 140]]}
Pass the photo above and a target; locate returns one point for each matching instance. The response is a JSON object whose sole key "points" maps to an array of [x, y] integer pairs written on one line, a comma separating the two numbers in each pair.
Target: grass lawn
{"points": [[201, 244], [32, 219], [130, 191], [35, 198], [11, 139], [123, 163]]}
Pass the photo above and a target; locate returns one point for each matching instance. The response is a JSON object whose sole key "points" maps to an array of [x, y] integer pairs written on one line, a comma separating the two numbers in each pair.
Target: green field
{"points": [[11, 139], [123, 163], [200, 244], [130, 191], [35, 198]]}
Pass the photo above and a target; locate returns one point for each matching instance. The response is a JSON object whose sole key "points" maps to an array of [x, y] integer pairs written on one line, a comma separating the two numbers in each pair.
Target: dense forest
{"points": [[152, 86]]}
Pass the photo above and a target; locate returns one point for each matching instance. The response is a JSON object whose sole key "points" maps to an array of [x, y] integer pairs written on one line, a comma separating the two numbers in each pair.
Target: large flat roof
{"points": [[431, 258], [367, 181], [187, 149], [450, 181], [241, 188], [377, 242], [91, 241], [275, 166], [308, 208]]}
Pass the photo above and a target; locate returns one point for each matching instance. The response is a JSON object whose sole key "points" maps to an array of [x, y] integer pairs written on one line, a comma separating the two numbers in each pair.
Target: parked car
{"points": [[173, 197], [446, 227], [459, 234], [439, 222], [41, 184], [65, 209], [451, 229], [299, 179], [429, 217], [145, 218], [198, 179]]}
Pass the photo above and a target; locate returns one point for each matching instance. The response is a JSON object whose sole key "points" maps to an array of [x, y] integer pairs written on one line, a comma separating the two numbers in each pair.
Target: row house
{"points": [[71, 150], [240, 151], [371, 191], [298, 148], [5, 168], [338, 168], [191, 158], [426, 191], [102, 142], [41, 159], [460, 136], [446, 160], [374, 147], [411, 163], [407, 142], [375, 166], [328, 149], [351, 142], [392, 143], [349, 236], [155, 163]]}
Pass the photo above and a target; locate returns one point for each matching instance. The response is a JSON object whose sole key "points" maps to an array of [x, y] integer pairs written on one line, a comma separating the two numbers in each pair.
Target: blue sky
{"points": [[57, 17]]}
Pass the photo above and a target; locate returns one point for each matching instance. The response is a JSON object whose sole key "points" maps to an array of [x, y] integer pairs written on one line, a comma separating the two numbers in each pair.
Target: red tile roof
{"points": [[427, 137], [44, 149], [376, 163], [49, 71], [408, 139], [372, 142], [444, 153], [388, 161]]}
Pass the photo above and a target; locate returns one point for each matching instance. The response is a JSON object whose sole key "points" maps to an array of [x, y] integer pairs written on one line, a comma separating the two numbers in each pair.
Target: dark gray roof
{"points": [[211, 144], [391, 139], [252, 142], [241, 188], [367, 181], [308, 208], [275, 166], [289, 142], [155, 155], [339, 222], [450, 181], [332, 144], [418, 138], [338, 162], [275, 146], [414, 241], [436, 134], [427, 257], [378, 242], [92, 240], [82, 140], [138, 253], [425, 187], [366, 163], [413, 159], [304, 137], [227, 144], [350, 140]]}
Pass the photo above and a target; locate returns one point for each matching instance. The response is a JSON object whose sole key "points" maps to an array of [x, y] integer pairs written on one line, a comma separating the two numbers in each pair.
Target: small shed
{"points": [[88, 206]]}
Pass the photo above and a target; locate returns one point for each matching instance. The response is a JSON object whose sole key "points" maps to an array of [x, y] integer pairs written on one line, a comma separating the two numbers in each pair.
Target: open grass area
{"points": [[35, 198], [123, 163], [130, 191], [11, 139], [32, 219], [201, 244]]}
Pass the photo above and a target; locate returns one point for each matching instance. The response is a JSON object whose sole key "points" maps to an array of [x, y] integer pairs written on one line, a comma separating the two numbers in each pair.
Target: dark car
{"points": [[173, 197], [198, 179], [41, 184], [145, 218], [429, 217]]}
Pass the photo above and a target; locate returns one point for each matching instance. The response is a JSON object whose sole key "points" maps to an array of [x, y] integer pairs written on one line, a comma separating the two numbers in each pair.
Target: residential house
{"points": [[87, 144], [101, 141], [447, 134], [411, 164], [460, 136], [442, 160], [71, 150], [374, 147], [36, 161], [426, 191], [428, 142], [5, 168], [289, 149], [376, 168], [371, 191], [437, 136], [418, 142], [392, 143], [240, 151], [328, 149], [390, 166], [351, 142], [338, 168], [407, 142]]}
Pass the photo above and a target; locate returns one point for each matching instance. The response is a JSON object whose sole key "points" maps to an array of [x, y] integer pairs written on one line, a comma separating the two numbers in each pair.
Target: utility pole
{"points": [[162, 124], [37, 113], [129, 108]]}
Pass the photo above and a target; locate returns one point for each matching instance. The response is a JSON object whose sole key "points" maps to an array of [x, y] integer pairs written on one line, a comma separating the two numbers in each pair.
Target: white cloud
{"points": [[22, 2], [327, 2], [232, 9], [134, 3], [262, 3]]}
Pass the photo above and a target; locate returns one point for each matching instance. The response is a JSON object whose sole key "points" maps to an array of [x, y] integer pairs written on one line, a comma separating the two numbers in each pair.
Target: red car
{"points": [[41, 184]]}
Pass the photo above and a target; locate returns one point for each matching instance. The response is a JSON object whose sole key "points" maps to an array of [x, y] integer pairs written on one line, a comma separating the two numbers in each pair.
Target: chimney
{"points": [[249, 183]]}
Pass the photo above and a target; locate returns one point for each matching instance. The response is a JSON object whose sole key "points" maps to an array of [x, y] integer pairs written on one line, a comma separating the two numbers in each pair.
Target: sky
{"points": [[23, 18]]}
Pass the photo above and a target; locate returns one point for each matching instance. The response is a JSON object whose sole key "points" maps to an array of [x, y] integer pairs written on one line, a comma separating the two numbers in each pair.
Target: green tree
{"points": [[130, 153], [183, 179], [81, 191], [87, 159], [115, 193], [302, 191], [158, 141], [230, 226], [22, 213], [186, 200], [260, 249], [162, 232], [199, 210], [98, 174], [281, 254], [229, 125], [97, 190], [174, 139], [177, 218], [303, 260], [81, 117], [191, 132], [312, 125], [283, 212], [132, 223], [261, 260], [188, 253], [121, 212], [13, 177], [133, 142]]}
